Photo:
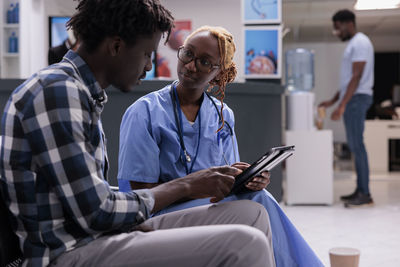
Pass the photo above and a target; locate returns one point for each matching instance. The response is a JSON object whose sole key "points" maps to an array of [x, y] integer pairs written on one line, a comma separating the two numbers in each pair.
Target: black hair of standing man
{"points": [[344, 15]]}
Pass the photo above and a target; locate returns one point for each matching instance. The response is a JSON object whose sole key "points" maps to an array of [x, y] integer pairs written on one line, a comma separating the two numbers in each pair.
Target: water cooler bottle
{"points": [[299, 85]]}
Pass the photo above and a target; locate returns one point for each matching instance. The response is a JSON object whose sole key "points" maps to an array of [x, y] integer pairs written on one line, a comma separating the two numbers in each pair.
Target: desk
{"points": [[376, 138]]}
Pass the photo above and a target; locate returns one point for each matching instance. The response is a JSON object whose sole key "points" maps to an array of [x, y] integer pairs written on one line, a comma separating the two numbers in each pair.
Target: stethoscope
{"points": [[185, 157]]}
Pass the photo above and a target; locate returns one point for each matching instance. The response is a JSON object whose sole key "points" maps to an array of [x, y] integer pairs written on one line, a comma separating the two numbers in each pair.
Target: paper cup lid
{"points": [[345, 251]]}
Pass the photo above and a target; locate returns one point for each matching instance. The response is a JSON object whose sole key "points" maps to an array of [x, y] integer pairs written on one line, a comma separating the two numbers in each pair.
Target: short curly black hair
{"points": [[97, 19], [344, 15]]}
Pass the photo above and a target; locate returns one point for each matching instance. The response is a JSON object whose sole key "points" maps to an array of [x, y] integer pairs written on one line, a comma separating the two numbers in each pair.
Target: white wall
{"points": [[60, 7], [32, 37], [327, 58], [386, 43]]}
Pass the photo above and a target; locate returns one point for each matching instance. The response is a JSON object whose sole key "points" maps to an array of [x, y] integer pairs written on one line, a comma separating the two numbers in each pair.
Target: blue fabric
{"points": [[150, 152], [354, 121]]}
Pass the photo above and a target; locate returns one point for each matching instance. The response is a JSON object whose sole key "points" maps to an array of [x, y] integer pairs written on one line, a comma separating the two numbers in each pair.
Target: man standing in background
{"points": [[354, 98]]}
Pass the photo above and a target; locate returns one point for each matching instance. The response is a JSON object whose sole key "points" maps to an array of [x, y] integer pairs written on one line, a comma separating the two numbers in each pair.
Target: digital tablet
{"points": [[266, 163]]}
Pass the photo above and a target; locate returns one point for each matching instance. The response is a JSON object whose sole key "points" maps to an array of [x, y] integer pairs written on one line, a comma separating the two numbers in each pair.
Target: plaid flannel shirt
{"points": [[53, 164]]}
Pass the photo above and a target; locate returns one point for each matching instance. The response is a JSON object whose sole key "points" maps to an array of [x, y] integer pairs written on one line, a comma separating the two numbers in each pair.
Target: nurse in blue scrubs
{"points": [[181, 129]]}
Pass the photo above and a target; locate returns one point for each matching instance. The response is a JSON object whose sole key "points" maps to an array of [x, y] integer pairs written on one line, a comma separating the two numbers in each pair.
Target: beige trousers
{"points": [[236, 233]]}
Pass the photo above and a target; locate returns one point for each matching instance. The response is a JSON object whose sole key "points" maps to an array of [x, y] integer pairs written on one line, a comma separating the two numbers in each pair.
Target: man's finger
{"points": [[227, 170], [266, 174], [219, 195], [240, 164]]}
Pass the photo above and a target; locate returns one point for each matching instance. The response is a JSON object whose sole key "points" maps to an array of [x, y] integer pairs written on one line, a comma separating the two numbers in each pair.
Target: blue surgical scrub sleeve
{"points": [[138, 150]]}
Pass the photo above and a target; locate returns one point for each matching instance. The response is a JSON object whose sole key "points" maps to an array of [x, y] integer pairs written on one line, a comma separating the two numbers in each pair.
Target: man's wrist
{"points": [[184, 186]]}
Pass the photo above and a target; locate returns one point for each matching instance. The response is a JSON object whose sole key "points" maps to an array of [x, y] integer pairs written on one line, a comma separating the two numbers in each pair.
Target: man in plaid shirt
{"points": [[54, 164]]}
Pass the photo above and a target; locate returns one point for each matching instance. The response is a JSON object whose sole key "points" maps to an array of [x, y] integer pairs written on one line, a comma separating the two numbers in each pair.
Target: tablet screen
{"points": [[265, 163]]}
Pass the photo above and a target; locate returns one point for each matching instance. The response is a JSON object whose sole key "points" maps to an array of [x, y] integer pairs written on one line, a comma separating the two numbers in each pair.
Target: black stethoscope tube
{"points": [[180, 130]]}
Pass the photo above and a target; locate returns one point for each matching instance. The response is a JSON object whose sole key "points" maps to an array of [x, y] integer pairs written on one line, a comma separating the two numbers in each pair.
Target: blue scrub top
{"points": [[150, 150]]}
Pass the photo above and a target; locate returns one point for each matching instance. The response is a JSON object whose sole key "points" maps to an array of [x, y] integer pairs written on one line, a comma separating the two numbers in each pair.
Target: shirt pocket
{"points": [[213, 148], [171, 165]]}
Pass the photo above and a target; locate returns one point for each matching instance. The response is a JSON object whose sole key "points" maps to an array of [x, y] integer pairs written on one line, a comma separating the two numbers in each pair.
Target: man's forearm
{"points": [[141, 185], [215, 182], [335, 98], [168, 193]]}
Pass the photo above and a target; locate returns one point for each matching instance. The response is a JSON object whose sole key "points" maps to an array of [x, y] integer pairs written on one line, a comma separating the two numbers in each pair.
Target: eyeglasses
{"points": [[202, 64]]}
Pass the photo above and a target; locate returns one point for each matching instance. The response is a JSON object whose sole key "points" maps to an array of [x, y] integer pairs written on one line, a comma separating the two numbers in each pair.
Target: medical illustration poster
{"points": [[262, 11], [167, 59], [263, 52]]}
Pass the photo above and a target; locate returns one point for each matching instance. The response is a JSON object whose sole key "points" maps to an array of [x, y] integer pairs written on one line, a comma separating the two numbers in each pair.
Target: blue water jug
{"points": [[16, 13], [10, 14], [299, 70]]}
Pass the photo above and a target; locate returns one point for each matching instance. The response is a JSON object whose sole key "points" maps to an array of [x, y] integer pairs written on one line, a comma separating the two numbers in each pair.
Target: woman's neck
{"points": [[190, 101], [189, 96]]}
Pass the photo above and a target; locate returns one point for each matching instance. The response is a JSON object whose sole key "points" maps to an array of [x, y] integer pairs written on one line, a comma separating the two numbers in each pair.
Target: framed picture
{"points": [[262, 11], [262, 52], [166, 56]]}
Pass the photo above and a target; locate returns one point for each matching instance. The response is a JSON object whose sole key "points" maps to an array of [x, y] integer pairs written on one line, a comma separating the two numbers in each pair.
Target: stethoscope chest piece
{"points": [[188, 158]]}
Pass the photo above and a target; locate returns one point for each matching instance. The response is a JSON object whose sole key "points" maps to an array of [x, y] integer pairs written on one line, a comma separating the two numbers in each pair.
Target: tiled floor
{"points": [[375, 231]]}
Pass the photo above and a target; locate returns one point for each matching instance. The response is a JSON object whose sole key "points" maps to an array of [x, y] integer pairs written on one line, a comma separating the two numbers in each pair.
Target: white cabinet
{"points": [[377, 134], [309, 172], [32, 32]]}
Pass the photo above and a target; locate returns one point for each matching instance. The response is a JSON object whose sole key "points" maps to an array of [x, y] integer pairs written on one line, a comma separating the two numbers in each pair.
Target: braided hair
{"points": [[97, 19], [228, 72]]}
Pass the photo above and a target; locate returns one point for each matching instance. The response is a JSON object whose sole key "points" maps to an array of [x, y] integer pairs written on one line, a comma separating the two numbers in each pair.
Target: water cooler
{"points": [[309, 172]]}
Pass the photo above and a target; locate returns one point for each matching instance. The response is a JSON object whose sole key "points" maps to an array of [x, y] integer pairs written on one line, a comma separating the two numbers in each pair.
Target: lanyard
{"points": [[185, 157]]}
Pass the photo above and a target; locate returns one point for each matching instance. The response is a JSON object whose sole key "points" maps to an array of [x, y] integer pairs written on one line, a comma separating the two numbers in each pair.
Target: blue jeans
{"points": [[354, 119]]}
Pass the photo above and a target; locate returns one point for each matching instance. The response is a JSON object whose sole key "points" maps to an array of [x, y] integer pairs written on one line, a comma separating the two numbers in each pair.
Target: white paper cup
{"points": [[344, 257]]}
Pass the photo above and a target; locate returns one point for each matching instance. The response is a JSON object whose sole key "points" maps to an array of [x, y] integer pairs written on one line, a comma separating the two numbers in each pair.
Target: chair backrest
{"points": [[10, 252]]}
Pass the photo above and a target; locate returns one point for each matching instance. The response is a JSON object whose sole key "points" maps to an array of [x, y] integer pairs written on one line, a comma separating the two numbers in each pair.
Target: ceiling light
{"points": [[374, 4]]}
